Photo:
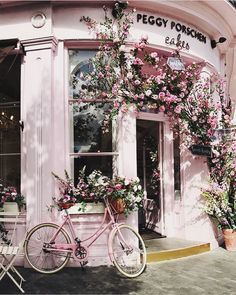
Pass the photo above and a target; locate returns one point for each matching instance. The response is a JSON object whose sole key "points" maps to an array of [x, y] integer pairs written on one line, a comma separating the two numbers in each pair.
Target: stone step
{"points": [[173, 248]]}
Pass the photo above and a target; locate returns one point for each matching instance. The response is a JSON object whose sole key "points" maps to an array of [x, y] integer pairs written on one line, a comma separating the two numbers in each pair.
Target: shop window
{"points": [[89, 145], [10, 151]]}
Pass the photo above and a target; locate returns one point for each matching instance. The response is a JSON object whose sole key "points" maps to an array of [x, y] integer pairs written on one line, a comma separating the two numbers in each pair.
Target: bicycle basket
{"points": [[118, 205]]}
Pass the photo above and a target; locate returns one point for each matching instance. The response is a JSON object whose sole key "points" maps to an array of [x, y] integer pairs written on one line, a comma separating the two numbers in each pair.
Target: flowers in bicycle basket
{"points": [[94, 187], [129, 191]]}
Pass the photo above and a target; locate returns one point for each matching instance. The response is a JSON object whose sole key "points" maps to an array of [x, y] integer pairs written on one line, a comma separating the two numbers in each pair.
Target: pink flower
{"points": [[162, 95], [161, 108], [116, 105], [100, 75], [137, 61], [118, 186], [178, 109]]}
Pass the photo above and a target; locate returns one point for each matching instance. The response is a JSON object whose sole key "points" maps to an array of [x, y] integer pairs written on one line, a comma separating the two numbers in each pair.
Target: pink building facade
{"points": [[53, 45]]}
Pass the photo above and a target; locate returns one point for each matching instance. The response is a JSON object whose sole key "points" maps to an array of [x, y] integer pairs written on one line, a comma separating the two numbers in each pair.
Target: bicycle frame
{"points": [[86, 243]]}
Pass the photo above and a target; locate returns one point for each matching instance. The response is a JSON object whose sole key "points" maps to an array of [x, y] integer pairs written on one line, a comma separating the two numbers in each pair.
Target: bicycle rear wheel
{"points": [[128, 251], [38, 249]]}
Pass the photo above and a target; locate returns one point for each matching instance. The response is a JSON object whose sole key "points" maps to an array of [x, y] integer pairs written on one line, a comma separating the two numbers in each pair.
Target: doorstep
{"points": [[173, 248]]}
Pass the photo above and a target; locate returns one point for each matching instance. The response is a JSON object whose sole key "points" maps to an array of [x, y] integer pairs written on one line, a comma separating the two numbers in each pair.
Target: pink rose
{"points": [[118, 186], [161, 108]]}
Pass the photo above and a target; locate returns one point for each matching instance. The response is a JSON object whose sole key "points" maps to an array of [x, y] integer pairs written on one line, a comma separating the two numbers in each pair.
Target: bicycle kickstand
{"points": [[82, 264]]}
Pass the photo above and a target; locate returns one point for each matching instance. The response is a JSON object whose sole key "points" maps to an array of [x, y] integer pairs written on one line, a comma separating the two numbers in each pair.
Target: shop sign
{"points": [[201, 150], [173, 25], [175, 64]]}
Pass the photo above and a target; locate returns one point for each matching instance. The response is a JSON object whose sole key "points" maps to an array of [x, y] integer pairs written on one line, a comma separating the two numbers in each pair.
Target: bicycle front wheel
{"points": [[128, 251], [38, 249]]}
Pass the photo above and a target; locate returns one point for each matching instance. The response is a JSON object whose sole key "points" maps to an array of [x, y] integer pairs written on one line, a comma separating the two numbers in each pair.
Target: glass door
{"points": [[149, 171]]}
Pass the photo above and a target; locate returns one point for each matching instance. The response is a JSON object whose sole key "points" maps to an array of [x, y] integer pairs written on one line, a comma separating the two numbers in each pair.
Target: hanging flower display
{"points": [[133, 75]]}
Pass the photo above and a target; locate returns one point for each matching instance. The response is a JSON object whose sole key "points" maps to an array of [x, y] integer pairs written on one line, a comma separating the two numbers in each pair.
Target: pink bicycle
{"points": [[48, 246]]}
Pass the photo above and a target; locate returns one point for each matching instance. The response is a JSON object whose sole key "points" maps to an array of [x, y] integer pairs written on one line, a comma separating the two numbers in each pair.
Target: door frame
{"points": [[166, 171]]}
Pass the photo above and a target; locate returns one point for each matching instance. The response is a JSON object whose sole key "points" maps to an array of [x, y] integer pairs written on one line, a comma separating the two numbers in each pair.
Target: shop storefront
{"points": [[52, 51]]}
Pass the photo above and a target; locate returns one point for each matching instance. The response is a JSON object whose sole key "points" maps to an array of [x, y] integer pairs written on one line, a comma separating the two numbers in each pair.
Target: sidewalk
{"points": [[209, 273]]}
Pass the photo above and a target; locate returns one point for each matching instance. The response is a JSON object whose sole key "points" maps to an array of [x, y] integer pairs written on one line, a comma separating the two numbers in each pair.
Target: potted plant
{"points": [[10, 199], [219, 207]]}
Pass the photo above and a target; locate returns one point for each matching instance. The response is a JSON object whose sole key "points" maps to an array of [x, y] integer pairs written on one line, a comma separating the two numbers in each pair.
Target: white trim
{"points": [[97, 154], [152, 116]]}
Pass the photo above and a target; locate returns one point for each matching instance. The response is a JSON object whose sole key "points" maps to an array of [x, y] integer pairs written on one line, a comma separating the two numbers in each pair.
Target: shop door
{"points": [[149, 171]]}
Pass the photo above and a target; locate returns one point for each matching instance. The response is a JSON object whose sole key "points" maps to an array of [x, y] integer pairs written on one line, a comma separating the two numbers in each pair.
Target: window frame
{"points": [[92, 45]]}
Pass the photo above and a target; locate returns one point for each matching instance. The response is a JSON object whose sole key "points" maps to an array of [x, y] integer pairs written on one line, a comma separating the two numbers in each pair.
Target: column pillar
{"points": [[37, 138]]}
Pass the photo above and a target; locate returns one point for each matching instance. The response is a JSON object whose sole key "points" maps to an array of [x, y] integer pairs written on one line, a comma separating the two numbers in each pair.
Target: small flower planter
{"points": [[10, 207], [91, 208], [230, 239]]}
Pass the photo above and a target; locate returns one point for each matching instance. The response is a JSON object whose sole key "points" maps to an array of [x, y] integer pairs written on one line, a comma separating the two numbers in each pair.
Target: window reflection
{"points": [[9, 121], [88, 133]]}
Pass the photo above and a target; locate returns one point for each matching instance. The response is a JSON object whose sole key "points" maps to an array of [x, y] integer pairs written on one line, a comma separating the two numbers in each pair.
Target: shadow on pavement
{"points": [[90, 280]]}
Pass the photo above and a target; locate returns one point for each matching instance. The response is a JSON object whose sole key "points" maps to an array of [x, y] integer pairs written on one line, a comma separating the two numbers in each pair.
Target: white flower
{"points": [[122, 48], [129, 75], [127, 182], [153, 54], [148, 92], [138, 199]]}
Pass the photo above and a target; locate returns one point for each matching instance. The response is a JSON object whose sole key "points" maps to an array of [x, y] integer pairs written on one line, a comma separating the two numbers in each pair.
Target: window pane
{"points": [[88, 131], [87, 128], [10, 170], [9, 129], [9, 121], [80, 64], [101, 163]]}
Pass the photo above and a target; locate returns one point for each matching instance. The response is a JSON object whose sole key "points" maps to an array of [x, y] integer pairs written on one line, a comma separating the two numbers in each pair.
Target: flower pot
{"points": [[10, 207], [118, 205], [230, 239]]}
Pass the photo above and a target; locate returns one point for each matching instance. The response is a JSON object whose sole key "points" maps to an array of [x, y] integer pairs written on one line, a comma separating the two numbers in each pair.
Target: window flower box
{"points": [[10, 207], [91, 208]]}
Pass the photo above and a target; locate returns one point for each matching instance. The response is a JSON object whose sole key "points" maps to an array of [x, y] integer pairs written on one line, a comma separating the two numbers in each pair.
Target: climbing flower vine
{"points": [[131, 75]]}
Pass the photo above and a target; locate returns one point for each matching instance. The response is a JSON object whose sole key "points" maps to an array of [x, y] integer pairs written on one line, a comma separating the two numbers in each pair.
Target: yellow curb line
{"points": [[177, 253]]}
